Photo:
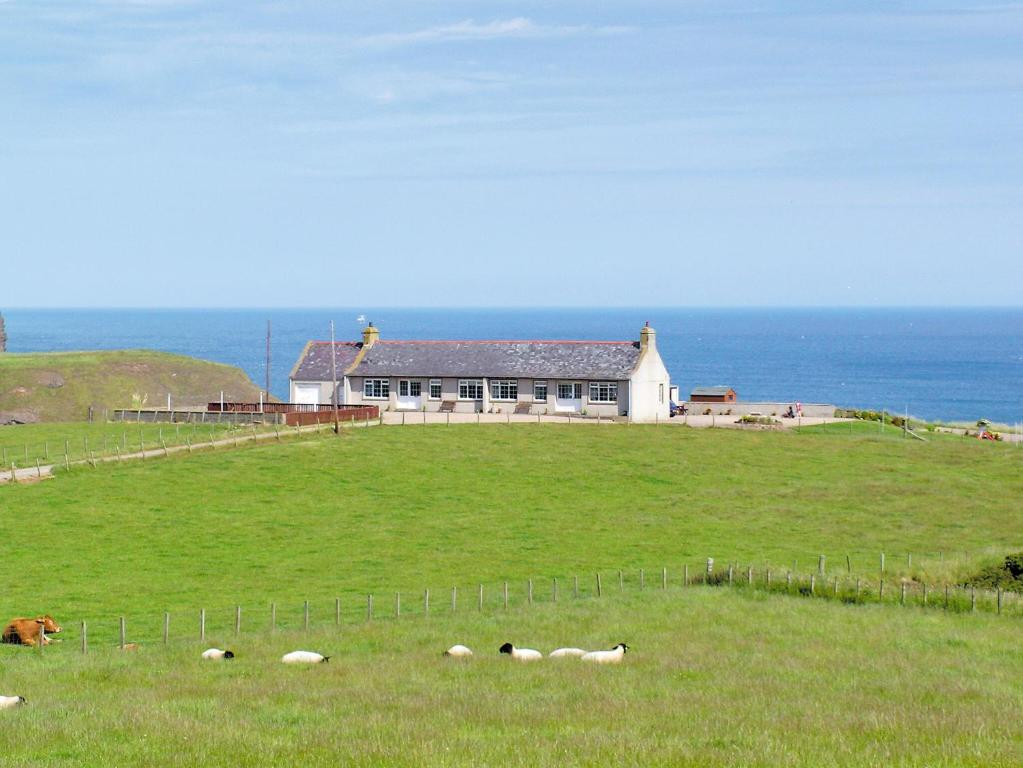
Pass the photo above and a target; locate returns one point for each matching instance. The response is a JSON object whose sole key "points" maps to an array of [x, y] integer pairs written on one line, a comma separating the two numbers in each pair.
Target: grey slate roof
{"points": [[315, 363], [495, 359], [711, 390]]}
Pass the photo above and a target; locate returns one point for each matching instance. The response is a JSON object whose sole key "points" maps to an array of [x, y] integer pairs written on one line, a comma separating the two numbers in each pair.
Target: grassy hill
{"points": [[714, 678], [61, 386]]}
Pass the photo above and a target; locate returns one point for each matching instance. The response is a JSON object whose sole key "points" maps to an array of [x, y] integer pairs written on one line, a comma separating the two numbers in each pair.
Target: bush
{"points": [[1008, 574]]}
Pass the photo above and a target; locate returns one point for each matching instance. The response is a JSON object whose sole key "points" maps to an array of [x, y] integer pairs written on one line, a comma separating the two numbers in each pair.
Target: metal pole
{"points": [[333, 376]]}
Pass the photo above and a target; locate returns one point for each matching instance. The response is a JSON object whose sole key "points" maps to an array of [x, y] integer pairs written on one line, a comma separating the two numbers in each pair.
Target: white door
{"points": [[307, 394], [410, 395], [569, 397]]}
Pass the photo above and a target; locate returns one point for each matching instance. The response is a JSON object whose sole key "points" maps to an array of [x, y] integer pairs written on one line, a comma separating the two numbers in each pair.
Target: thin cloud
{"points": [[500, 29]]}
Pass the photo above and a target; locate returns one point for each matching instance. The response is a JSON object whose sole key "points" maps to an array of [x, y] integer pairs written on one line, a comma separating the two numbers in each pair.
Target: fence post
{"points": [[788, 581], [123, 632], [575, 586], [880, 590], [710, 567], [999, 600], [454, 599], [273, 617], [882, 562], [369, 607], [337, 611], [202, 623], [529, 592], [768, 578], [664, 578], [946, 597], [600, 591], [685, 575], [506, 595], [836, 586], [397, 604], [820, 564], [85, 638], [973, 598], [857, 589], [813, 582], [237, 620], [166, 627], [642, 579], [925, 593], [749, 575], [305, 615], [555, 591], [481, 594], [730, 572], [426, 602], [848, 564]]}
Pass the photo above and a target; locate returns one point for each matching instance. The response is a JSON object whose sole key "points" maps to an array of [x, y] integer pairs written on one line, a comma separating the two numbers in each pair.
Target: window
{"points": [[376, 389], [504, 389], [470, 389], [435, 389], [573, 390], [540, 391], [408, 388], [604, 391]]}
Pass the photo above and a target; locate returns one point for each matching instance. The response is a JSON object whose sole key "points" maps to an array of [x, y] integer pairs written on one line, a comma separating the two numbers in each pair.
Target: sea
{"points": [[936, 364]]}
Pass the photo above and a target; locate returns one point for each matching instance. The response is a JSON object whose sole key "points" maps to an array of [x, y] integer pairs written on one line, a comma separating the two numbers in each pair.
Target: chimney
{"points": [[647, 338], [370, 336]]}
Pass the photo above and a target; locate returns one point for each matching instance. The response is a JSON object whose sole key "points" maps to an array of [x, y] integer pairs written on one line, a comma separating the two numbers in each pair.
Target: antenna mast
{"points": [[333, 377], [268, 361]]}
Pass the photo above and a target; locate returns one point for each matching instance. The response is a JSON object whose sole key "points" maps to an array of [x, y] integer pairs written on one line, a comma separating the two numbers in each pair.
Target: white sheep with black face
{"points": [[304, 657], [521, 654], [216, 654], [10, 702], [458, 652], [614, 656]]}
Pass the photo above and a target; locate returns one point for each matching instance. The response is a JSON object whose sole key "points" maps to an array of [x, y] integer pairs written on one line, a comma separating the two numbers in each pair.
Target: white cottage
{"points": [[609, 378]]}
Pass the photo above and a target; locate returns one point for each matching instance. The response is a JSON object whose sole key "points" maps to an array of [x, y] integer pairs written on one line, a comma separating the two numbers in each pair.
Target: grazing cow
{"points": [[27, 631]]}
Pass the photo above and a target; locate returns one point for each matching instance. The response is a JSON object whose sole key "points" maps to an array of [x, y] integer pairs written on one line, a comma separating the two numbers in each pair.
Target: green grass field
{"points": [[714, 677], [717, 676]]}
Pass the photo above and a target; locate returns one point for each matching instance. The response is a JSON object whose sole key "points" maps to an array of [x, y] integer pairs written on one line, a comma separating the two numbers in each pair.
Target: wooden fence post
{"points": [[600, 591], [848, 564], [730, 572], [506, 595], [880, 590], [788, 580], [664, 578], [768, 578], [749, 575], [882, 562], [426, 603], [305, 615], [123, 633], [454, 599], [813, 582], [621, 581], [481, 595], [166, 627], [685, 575], [999, 600], [575, 586], [237, 620], [946, 597], [820, 564], [973, 598], [529, 592], [202, 623], [273, 617], [85, 638], [397, 605], [337, 611], [555, 590], [836, 586], [925, 592], [369, 607]]}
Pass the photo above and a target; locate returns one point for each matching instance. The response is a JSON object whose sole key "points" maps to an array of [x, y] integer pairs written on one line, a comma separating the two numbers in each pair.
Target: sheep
{"points": [[458, 652], [614, 656], [303, 657], [217, 654], [566, 652], [10, 702], [521, 654]]}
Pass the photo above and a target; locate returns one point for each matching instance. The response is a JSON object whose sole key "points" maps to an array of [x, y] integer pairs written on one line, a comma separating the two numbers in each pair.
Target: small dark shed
{"points": [[713, 395]]}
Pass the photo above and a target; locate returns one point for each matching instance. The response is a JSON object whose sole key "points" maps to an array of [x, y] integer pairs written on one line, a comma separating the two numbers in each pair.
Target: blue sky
{"points": [[429, 153]]}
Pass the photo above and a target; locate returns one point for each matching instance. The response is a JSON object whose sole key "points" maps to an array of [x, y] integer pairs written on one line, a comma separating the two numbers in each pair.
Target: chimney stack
{"points": [[647, 338], [370, 336]]}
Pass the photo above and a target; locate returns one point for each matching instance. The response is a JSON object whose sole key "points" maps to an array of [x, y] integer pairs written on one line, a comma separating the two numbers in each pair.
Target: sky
{"points": [[181, 153]]}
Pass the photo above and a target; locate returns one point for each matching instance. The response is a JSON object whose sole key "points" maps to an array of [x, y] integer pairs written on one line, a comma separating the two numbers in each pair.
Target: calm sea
{"points": [[937, 363]]}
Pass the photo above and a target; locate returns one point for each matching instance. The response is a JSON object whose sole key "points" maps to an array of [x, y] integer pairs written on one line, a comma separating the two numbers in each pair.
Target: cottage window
{"points": [[470, 389], [540, 391], [376, 389], [435, 389], [571, 391], [504, 389], [603, 391]]}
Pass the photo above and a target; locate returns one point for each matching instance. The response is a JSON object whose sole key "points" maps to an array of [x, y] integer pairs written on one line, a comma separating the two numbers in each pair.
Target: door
{"points": [[410, 395], [307, 394], [569, 397]]}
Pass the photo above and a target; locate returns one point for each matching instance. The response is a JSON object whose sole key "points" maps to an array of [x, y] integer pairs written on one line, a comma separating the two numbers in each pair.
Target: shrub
{"points": [[1008, 574]]}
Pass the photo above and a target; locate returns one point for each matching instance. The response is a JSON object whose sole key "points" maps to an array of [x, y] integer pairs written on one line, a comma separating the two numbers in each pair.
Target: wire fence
{"points": [[220, 624]]}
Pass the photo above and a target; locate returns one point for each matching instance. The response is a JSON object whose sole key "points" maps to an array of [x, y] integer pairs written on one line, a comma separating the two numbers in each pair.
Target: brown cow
{"points": [[26, 631]]}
